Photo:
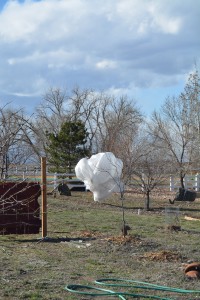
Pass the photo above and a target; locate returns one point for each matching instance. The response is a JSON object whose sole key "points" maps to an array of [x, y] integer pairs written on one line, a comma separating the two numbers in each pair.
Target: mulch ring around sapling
{"points": [[163, 255], [121, 240]]}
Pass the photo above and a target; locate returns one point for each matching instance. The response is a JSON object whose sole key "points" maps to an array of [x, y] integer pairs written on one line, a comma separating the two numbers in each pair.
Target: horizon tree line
{"points": [[166, 142]]}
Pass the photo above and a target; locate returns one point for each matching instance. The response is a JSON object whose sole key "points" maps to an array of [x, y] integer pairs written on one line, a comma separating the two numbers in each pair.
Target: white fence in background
{"points": [[68, 178], [22, 172], [190, 182], [53, 179]]}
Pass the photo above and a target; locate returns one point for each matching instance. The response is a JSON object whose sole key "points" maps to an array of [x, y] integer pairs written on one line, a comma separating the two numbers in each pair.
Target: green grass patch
{"points": [[85, 242]]}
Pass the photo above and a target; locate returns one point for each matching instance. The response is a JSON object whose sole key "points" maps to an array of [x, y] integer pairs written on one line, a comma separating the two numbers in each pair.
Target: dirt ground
{"points": [[85, 243]]}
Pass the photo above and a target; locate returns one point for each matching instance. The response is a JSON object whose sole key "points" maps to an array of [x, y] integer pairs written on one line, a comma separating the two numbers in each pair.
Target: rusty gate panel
{"points": [[19, 207]]}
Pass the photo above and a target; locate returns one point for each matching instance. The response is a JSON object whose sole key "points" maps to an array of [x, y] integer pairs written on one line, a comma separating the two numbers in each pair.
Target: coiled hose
{"points": [[125, 283]]}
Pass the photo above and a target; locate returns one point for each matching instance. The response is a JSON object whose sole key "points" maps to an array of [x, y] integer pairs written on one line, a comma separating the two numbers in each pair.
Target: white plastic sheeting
{"points": [[101, 174]]}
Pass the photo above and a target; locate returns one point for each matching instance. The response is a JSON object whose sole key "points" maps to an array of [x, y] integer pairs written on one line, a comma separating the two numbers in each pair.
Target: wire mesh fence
{"points": [[20, 211], [19, 207]]}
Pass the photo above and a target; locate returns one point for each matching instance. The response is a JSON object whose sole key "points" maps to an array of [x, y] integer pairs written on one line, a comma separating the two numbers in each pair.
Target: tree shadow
{"points": [[158, 209], [56, 240], [190, 231]]}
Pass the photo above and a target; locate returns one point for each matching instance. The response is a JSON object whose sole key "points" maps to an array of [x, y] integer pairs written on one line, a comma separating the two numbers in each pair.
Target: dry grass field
{"points": [[85, 243]]}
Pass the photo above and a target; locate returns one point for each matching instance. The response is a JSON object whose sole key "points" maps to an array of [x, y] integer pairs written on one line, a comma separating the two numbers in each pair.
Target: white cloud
{"points": [[106, 64], [162, 21], [60, 20], [23, 94], [145, 16], [47, 19], [109, 44], [19, 21], [50, 58]]}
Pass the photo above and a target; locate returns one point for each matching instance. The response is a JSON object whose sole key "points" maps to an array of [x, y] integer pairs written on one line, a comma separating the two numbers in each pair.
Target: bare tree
{"points": [[150, 171], [174, 128], [117, 124], [191, 101], [13, 148], [110, 122], [145, 166], [56, 108], [85, 106], [49, 117]]}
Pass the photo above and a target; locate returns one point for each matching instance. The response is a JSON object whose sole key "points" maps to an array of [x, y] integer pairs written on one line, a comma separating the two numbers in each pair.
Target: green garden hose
{"points": [[125, 283]]}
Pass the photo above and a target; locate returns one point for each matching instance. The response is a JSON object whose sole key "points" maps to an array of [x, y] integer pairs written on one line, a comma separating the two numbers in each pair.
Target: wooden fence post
{"points": [[44, 197]]}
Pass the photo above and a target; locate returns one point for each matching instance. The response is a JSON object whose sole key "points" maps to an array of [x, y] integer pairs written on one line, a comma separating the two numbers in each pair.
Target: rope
{"points": [[131, 284]]}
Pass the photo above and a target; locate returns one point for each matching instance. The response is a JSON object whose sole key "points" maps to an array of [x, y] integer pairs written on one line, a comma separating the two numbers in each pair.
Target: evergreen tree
{"points": [[67, 147]]}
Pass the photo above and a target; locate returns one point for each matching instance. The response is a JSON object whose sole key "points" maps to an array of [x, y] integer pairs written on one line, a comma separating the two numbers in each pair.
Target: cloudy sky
{"points": [[142, 48]]}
